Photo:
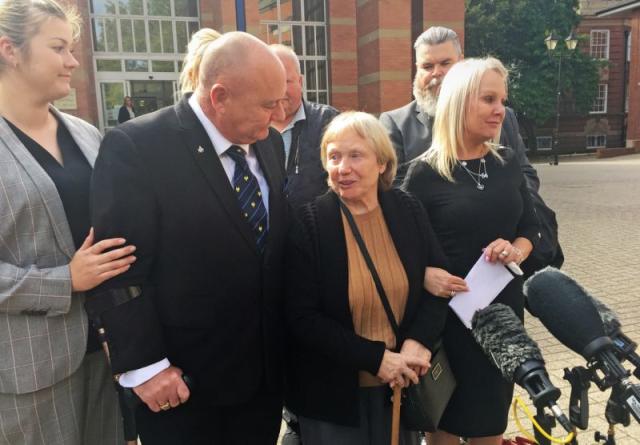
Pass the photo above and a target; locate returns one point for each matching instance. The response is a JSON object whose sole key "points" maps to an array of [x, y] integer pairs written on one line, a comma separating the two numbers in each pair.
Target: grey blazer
{"points": [[43, 326], [409, 129]]}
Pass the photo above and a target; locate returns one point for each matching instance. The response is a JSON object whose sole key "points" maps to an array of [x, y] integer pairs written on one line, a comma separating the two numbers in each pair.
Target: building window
{"points": [[596, 141], [109, 65], [138, 45], [544, 142], [599, 43], [137, 26], [600, 102], [302, 25]]}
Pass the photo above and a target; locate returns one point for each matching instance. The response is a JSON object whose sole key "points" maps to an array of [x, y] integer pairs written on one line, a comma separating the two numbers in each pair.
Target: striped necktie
{"points": [[249, 196]]}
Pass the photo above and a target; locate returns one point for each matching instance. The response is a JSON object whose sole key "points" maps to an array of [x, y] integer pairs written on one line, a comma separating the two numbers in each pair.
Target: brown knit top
{"points": [[369, 318]]}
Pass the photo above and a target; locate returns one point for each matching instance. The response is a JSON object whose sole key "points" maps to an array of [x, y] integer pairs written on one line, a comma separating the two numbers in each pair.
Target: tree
{"points": [[514, 32]]}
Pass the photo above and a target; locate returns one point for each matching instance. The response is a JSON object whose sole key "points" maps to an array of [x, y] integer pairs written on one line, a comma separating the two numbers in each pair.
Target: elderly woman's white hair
{"points": [[371, 130], [460, 86]]}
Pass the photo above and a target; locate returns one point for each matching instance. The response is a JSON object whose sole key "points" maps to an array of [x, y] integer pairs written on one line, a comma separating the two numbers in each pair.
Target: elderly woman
{"points": [[344, 353], [56, 387], [478, 203]]}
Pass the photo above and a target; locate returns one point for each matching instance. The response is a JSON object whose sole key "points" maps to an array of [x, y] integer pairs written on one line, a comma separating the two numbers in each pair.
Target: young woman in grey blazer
{"points": [[55, 386]]}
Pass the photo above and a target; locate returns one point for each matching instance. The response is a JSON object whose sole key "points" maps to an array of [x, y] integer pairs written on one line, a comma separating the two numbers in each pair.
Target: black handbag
{"points": [[423, 403], [547, 251]]}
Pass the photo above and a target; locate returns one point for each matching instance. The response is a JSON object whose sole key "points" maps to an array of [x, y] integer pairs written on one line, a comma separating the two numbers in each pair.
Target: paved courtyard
{"points": [[598, 208]]}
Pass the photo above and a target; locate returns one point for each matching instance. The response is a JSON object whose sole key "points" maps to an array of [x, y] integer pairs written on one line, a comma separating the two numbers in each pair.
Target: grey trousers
{"points": [[79, 410], [374, 428]]}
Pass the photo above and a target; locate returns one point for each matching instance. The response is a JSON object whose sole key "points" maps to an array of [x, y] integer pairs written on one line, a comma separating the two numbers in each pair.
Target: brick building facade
{"points": [[355, 54], [606, 126], [629, 11]]}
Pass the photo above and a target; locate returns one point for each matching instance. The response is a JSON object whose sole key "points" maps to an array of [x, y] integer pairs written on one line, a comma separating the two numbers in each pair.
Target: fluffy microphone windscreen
{"points": [[564, 308], [501, 335], [612, 326]]}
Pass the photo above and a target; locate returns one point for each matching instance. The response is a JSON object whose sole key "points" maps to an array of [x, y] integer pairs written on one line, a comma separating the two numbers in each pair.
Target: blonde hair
{"points": [[460, 86], [371, 130], [189, 76], [20, 20]]}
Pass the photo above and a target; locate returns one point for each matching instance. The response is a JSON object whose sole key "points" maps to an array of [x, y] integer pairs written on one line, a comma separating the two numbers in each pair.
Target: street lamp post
{"points": [[551, 42]]}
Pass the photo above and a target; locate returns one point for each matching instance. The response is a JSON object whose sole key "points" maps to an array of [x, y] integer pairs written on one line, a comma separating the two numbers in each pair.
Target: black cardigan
{"points": [[325, 353]]}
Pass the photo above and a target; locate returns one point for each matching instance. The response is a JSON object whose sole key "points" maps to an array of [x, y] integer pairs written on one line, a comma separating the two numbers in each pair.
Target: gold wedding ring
{"points": [[165, 406], [504, 253]]}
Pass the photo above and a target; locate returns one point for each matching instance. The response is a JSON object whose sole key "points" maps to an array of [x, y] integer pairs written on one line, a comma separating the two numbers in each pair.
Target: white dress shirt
{"points": [[220, 143]]}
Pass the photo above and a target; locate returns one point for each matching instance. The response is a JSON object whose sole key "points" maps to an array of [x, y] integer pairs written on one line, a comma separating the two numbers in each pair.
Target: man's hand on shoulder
{"points": [[165, 387]]}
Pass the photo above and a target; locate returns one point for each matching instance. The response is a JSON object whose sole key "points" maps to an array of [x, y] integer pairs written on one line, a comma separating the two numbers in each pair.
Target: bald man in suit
{"points": [[198, 189]]}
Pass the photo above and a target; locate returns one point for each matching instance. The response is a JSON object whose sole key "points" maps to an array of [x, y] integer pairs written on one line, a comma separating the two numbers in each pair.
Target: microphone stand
{"points": [[578, 377], [605, 355], [623, 393], [547, 422], [615, 413]]}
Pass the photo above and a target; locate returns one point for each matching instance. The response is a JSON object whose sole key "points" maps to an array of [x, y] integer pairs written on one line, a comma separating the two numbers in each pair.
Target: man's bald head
{"points": [[234, 56], [242, 86]]}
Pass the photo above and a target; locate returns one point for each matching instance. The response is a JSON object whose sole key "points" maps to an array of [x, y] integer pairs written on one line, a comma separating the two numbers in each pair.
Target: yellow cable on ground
{"points": [[517, 402]]}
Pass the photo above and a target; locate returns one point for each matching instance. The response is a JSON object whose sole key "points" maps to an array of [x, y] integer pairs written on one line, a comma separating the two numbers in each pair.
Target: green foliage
{"points": [[514, 32]]}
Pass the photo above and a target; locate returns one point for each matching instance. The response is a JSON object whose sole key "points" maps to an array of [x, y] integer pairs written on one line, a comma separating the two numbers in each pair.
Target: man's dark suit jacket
{"points": [[210, 301], [410, 131]]}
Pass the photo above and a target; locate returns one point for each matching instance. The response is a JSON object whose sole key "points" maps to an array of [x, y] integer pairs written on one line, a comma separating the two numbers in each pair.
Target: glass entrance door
{"points": [[112, 95], [151, 95]]}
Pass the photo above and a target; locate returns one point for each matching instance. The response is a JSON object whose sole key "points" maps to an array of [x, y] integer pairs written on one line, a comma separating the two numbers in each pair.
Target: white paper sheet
{"points": [[485, 281]]}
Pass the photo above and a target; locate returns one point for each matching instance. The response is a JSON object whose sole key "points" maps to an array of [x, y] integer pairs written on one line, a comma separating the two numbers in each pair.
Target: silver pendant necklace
{"points": [[479, 176]]}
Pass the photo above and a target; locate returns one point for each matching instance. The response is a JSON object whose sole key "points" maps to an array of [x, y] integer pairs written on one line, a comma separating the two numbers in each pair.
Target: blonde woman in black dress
{"points": [[478, 204]]}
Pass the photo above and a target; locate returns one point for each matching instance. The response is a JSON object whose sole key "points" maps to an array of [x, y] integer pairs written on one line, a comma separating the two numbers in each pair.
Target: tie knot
{"points": [[237, 154]]}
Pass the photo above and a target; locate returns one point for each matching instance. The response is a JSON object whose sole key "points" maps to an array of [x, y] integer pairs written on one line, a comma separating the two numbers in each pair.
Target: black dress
{"points": [[466, 219]]}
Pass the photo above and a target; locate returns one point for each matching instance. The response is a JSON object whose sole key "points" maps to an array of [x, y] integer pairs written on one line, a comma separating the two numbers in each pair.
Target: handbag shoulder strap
{"points": [[372, 269]]}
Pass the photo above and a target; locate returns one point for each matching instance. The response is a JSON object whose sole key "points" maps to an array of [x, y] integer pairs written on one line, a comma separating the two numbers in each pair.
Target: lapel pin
{"points": [[200, 149]]}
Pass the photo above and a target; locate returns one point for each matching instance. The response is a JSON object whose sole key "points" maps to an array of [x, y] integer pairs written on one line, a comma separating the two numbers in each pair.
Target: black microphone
{"points": [[502, 337], [570, 314], [625, 347]]}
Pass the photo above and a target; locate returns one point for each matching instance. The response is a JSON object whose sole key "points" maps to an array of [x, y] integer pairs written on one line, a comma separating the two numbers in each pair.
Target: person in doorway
{"points": [[126, 111]]}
